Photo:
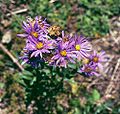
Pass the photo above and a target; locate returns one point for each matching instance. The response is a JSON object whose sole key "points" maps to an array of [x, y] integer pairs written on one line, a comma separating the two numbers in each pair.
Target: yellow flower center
{"points": [[95, 59], [39, 45], [63, 53], [86, 61], [77, 47], [35, 34]]}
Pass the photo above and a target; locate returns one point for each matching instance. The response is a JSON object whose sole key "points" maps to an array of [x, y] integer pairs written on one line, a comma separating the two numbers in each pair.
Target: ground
{"points": [[12, 96]]}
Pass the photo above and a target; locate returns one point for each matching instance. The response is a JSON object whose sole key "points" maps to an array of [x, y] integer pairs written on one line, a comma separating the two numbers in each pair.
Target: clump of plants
{"points": [[54, 56]]}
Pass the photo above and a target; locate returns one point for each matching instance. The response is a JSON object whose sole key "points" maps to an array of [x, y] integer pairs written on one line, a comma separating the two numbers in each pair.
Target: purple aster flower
{"points": [[40, 47], [65, 38], [89, 70], [33, 61], [42, 23], [81, 47], [32, 31], [63, 55], [99, 58]]}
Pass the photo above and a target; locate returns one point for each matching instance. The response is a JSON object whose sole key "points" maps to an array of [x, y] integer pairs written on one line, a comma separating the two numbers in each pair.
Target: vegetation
{"points": [[88, 17]]}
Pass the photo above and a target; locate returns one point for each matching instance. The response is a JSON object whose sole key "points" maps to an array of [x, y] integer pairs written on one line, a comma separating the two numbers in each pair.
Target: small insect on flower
{"points": [[63, 55], [81, 47]]}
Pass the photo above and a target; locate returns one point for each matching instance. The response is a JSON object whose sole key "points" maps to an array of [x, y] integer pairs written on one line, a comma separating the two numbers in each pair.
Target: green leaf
{"points": [[26, 77], [95, 95], [1, 85], [77, 111], [73, 66], [21, 82], [33, 80], [27, 73], [60, 108], [75, 102]]}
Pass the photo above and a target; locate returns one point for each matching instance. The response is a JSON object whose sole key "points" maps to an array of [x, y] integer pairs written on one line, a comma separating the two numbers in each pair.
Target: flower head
{"points": [[33, 61], [81, 47], [42, 23], [89, 70], [40, 47], [33, 29], [65, 38], [61, 50], [30, 29], [63, 55], [98, 58]]}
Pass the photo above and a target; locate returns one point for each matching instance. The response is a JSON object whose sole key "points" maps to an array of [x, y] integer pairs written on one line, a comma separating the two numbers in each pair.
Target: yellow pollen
{"points": [[35, 34], [95, 59], [86, 61], [39, 45], [63, 53], [77, 47]]}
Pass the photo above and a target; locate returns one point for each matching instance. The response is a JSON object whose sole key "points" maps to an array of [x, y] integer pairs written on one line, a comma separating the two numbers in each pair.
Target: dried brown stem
{"points": [[110, 86], [17, 12], [11, 56]]}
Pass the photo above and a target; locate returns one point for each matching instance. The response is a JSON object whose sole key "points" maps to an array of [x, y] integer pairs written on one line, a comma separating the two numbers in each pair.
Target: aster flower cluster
{"points": [[49, 44]]}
